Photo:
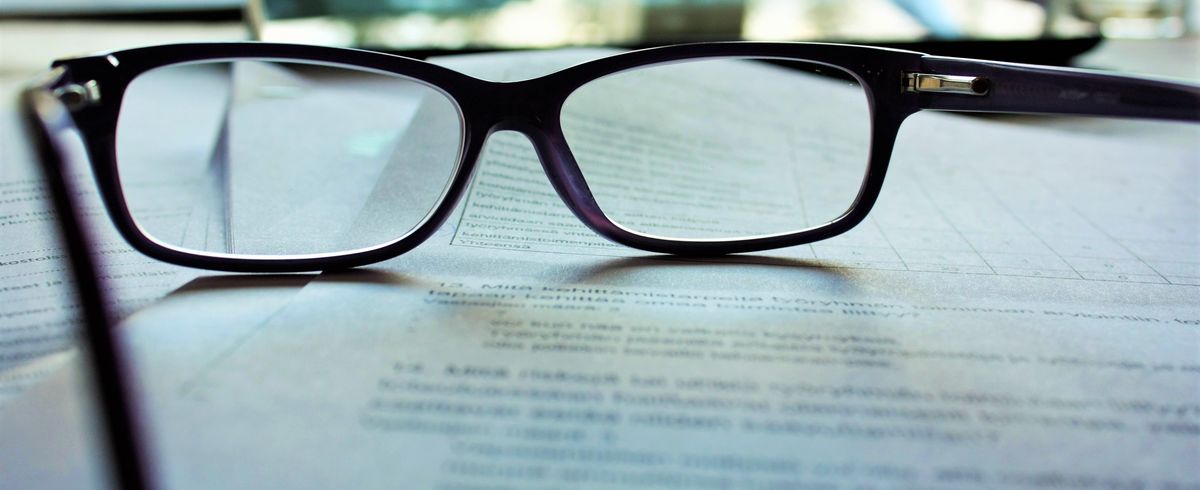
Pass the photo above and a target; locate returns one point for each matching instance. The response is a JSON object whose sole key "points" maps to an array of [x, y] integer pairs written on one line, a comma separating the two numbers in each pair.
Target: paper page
{"points": [[52, 437], [635, 380], [1020, 312], [37, 306]]}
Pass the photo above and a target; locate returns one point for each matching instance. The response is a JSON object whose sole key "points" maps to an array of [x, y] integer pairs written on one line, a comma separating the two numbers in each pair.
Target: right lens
{"points": [[268, 158], [721, 149]]}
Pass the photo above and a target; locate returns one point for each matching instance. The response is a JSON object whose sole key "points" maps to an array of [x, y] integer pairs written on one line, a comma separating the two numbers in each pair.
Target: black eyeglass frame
{"points": [[896, 83]]}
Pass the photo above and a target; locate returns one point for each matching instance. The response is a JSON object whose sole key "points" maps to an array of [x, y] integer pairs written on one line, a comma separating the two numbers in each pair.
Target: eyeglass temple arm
{"points": [[955, 84], [43, 116]]}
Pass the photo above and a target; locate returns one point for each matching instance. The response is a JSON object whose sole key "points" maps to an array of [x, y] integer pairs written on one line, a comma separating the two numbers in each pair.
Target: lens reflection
{"points": [[267, 158], [720, 149]]}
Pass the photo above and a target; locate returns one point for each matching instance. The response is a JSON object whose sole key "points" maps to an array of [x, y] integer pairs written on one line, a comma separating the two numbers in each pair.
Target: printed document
{"points": [[1021, 311], [37, 308]]}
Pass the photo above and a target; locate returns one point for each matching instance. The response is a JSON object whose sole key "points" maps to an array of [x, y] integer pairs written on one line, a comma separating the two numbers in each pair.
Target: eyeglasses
{"points": [[258, 157]]}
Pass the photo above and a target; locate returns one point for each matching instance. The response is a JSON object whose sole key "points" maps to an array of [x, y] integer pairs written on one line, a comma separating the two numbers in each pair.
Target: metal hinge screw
{"points": [[76, 96], [946, 84]]}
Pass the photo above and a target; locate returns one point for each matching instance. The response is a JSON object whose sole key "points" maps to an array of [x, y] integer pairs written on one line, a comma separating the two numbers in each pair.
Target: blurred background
{"points": [[490, 24], [460, 24]]}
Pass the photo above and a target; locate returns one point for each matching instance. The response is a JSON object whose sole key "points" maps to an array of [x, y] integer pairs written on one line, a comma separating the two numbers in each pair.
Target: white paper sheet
{"points": [[36, 305], [650, 377], [51, 435]]}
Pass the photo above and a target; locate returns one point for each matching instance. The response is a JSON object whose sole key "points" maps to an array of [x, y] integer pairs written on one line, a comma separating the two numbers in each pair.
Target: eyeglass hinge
{"points": [[946, 84], [76, 96]]}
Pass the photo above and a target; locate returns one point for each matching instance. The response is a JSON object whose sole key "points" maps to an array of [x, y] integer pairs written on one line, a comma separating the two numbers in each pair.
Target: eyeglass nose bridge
{"points": [[525, 106], [531, 108]]}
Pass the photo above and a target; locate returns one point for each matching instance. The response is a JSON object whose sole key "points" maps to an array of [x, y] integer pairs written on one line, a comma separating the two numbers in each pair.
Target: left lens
{"points": [[721, 149], [267, 158]]}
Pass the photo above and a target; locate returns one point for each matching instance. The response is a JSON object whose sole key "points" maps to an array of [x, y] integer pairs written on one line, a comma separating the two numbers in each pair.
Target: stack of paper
{"points": [[1020, 311]]}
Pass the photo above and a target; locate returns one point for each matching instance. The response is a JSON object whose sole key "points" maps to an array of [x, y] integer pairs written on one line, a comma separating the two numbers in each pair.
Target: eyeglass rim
{"points": [[115, 71], [880, 72]]}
